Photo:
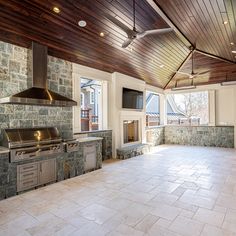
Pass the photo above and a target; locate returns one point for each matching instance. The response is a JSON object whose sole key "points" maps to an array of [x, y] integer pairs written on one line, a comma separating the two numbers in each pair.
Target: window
{"points": [[91, 97], [91, 107], [188, 108], [82, 100], [152, 109]]}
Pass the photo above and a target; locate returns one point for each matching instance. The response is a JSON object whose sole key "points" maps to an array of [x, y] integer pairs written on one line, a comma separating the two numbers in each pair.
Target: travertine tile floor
{"points": [[177, 190]]}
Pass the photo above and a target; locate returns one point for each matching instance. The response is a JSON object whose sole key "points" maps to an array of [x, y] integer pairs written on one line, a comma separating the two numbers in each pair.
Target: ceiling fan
{"points": [[134, 34], [193, 74]]}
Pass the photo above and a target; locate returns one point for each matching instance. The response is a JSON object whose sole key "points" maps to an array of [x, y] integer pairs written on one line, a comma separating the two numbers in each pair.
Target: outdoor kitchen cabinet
{"points": [[90, 156], [34, 174], [47, 171]]}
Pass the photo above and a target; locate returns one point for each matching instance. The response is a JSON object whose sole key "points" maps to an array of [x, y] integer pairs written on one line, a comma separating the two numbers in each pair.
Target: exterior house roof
{"points": [[153, 103]]}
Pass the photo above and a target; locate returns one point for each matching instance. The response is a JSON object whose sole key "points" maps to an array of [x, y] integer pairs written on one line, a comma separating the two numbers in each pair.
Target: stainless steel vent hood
{"points": [[39, 94]]}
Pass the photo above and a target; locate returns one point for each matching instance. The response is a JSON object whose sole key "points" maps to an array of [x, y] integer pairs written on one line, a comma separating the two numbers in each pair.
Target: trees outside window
{"points": [[188, 108]]}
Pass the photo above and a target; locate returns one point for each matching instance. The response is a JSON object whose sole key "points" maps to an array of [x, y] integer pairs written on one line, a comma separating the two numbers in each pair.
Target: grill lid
{"points": [[23, 136]]}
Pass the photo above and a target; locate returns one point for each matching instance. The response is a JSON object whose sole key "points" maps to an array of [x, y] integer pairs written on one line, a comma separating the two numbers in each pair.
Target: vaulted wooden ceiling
{"points": [[216, 70], [23, 21], [208, 24]]}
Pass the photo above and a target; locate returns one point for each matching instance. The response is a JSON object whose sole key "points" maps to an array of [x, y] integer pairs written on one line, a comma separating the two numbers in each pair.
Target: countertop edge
{"points": [[92, 131], [88, 139], [4, 150]]}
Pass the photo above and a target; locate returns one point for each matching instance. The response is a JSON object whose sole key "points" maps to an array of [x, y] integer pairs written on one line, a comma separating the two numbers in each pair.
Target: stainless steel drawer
{"points": [[26, 184], [27, 167], [28, 175]]}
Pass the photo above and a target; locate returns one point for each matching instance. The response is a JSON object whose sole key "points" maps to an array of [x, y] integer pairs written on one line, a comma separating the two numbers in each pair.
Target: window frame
{"points": [[91, 97], [159, 109], [191, 120]]}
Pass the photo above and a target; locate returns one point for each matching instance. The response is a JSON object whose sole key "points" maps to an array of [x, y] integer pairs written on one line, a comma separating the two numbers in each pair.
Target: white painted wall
{"points": [[118, 114], [225, 106]]}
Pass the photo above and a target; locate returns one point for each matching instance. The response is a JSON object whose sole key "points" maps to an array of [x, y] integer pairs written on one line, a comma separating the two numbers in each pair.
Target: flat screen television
{"points": [[132, 99]]}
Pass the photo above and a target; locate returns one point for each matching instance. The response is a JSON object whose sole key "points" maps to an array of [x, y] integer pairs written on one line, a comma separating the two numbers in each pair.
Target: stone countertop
{"points": [[88, 139], [93, 131], [4, 150]]}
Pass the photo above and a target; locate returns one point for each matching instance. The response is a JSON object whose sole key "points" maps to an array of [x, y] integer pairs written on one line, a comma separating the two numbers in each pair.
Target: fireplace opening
{"points": [[131, 132]]}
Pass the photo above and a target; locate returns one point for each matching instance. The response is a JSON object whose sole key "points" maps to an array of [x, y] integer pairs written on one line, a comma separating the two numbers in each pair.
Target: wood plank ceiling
{"points": [[217, 71], [27, 20], [23, 21], [210, 26]]}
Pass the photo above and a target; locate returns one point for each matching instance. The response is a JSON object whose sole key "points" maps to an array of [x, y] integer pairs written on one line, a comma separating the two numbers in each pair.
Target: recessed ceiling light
{"points": [[233, 51], [102, 34], [56, 10], [131, 49], [161, 66], [232, 43], [225, 22], [82, 23]]}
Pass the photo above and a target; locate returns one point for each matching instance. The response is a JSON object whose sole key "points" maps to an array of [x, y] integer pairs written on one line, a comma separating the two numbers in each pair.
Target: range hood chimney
{"points": [[39, 94]]}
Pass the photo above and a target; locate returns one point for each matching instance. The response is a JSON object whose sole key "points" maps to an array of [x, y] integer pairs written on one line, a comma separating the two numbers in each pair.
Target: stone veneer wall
{"points": [[13, 79], [155, 135], [200, 136]]}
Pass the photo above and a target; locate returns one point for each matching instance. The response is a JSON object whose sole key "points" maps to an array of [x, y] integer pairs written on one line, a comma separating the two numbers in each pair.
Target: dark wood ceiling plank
{"points": [[207, 17]]}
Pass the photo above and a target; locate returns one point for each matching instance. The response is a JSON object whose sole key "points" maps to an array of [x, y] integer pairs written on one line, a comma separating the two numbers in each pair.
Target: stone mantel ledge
{"points": [[4, 150], [88, 139], [154, 127]]}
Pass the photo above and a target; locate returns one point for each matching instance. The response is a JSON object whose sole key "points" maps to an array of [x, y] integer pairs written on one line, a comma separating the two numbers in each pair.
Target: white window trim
{"points": [[91, 95], [82, 100], [211, 106], [87, 72], [159, 108]]}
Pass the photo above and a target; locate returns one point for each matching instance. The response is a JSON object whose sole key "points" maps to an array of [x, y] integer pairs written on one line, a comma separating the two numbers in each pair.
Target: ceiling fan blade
{"points": [[122, 26], [155, 31], [180, 72], [127, 42]]}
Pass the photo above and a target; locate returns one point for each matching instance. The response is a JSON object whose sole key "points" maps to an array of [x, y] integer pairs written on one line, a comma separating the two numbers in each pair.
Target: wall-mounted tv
{"points": [[132, 99]]}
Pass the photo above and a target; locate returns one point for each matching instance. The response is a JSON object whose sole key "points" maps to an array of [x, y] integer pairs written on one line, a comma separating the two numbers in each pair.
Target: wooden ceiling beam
{"points": [[164, 16], [214, 56], [180, 67]]}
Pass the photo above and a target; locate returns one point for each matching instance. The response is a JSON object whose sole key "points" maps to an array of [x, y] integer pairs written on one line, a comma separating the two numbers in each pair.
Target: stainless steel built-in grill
{"points": [[28, 143]]}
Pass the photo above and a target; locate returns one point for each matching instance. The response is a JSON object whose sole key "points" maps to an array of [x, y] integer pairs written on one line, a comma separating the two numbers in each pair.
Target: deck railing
{"points": [[89, 122]]}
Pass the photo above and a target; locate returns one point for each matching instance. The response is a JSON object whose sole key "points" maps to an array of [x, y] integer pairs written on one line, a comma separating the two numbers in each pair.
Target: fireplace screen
{"points": [[131, 133]]}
